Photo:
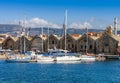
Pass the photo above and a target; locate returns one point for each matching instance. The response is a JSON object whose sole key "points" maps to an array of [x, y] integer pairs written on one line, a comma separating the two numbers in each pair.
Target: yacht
{"points": [[67, 58], [45, 58], [22, 58], [62, 55]]}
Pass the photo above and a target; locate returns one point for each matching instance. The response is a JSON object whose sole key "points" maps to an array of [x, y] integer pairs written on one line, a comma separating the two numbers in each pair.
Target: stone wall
{"points": [[105, 44]]}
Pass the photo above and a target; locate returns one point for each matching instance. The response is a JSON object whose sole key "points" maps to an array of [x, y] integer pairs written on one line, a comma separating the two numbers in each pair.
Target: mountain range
{"points": [[15, 29]]}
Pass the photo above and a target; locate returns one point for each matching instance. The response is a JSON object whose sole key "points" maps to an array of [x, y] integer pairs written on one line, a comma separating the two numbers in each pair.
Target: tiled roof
{"points": [[14, 38], [117, 38], [28, 37], [94, 37], [75, 36], [44, 37], [1, 40], [58, 37], [92, 33]]}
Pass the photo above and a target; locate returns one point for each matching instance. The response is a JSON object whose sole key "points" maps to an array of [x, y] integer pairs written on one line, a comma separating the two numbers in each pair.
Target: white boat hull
{"points": [[25, 59], [87, 58], [19, 61], [67, 58], [44, 59]]}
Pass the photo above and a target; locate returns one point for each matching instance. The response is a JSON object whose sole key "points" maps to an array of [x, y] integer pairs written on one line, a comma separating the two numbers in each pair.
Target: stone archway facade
{"points": [[36, 43]]}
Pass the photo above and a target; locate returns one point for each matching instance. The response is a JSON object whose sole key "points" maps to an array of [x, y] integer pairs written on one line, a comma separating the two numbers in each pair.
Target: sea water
{"points": [[62, 72]]}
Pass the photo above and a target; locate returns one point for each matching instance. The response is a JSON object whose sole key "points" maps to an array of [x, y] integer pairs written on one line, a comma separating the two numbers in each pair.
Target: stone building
{"points": [[70, 43], [107, 44], [36, 43], [23, 43], [75, 37], [1, 42], [10, 43], [52, 42], [117, 38], [86, 42]]}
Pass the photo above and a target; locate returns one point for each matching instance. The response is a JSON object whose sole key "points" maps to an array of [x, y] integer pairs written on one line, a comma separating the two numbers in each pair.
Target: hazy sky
{"points": [[95, 13]]}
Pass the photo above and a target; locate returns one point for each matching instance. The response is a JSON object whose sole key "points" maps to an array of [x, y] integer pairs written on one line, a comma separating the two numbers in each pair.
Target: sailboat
{"points": [[87, 57], [25, 58], [41, 57], [65, 57]]}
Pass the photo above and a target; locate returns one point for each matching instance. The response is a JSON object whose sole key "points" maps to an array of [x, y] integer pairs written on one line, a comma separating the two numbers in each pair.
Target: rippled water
{"points": [[84, 72]]}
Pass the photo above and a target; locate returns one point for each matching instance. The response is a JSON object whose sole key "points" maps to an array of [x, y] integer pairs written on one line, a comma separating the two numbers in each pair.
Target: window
{"points": [[106, 44], [68, 45], [85, 40], [11, 46], [81, 47], [53, 42], [68, 40], [103, 50], [85, 46], [90, 46], [72, 46]]}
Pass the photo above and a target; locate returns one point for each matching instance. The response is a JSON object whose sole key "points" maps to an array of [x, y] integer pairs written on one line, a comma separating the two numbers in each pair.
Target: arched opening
{"points": [[36, 44]]}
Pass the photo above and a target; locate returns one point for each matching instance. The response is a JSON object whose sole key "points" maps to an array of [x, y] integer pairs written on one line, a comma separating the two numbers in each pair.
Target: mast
{"points": [[65, 26], [86, 39], [42, 38], [24, 34], [48, 37], [20, 38]]}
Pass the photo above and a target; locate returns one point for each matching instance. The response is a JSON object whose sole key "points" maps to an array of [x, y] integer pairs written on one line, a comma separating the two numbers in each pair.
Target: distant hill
{"points": [[9, 28], [13, 29], [34, 31]]}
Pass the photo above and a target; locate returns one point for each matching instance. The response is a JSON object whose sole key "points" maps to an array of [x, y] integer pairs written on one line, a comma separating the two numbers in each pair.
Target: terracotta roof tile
{"points": [[76, 36]]}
